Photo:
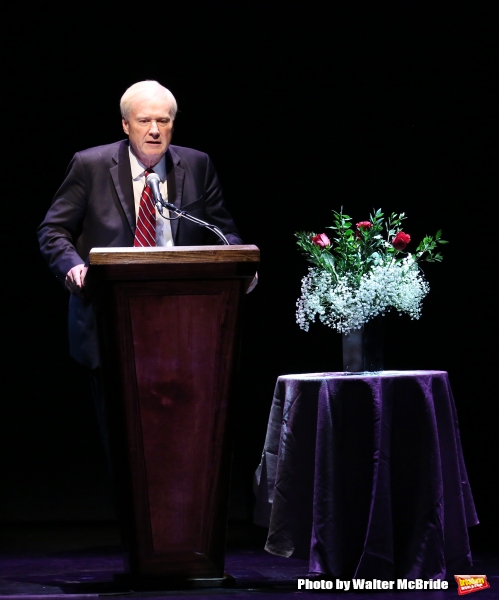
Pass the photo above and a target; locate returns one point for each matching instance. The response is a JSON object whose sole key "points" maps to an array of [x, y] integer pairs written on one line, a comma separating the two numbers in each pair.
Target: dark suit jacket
{"points": [[94, 207]]}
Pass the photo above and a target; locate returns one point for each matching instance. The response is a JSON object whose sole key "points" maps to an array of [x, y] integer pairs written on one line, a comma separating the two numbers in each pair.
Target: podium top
{"points": [[173, 262], [175, 254]]}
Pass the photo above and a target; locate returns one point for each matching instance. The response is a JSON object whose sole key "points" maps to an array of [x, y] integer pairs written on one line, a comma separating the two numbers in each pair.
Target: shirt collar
{"points": [[138, 168]]}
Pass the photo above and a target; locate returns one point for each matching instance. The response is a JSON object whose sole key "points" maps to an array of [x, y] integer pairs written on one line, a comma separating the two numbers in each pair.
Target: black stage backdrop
{"points": [[304, 110]]}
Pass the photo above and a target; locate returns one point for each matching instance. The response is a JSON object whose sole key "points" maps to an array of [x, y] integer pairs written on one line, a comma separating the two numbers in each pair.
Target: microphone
{"points": [[153, 182]]}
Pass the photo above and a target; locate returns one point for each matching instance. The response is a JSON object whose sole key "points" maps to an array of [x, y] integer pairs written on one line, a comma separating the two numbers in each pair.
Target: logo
{"points": [[471, 583]]}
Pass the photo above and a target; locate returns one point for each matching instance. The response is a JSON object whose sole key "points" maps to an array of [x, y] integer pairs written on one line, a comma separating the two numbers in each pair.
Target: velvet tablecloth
{"points": [[364, 475]]}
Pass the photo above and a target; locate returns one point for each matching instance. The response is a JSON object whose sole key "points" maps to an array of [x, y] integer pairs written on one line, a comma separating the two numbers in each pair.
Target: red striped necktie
{"points": [[145, 233]]}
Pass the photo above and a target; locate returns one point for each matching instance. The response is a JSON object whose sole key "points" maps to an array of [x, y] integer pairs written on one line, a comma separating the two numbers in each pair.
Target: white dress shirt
{"points": [[163, 228]]}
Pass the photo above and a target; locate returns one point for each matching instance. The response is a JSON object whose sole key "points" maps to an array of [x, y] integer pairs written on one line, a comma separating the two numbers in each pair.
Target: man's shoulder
{"points": [[106, 151], [187, 153]]}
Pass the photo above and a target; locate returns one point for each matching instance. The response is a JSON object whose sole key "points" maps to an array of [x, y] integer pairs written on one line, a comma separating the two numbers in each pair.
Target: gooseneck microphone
{"points": [[153, 182]]}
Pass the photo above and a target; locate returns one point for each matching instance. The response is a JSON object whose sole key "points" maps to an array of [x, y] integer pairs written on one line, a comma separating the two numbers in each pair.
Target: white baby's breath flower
{"points": [[397, 285]]}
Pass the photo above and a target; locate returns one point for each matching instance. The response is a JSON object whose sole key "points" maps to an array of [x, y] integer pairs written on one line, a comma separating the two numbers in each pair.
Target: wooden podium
{"points": [[169, 332]]}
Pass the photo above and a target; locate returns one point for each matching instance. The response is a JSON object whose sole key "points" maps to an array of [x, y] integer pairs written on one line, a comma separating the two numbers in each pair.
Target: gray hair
{"points": [[146, 90]]}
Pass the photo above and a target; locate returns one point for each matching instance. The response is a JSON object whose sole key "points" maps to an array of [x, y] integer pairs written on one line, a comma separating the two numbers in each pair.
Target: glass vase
{"points": [[363, 348]]}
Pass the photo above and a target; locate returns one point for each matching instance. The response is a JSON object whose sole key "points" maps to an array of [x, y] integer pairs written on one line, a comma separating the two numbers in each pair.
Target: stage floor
{"points": [[78, 560]]}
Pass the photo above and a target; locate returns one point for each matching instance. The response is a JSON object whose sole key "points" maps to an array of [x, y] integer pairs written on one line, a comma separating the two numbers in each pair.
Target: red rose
{"points": [[364, 225], [321, 240], [401, 240]]}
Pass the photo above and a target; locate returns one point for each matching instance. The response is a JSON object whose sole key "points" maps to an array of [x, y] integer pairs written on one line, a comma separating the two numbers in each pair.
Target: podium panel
{"points": [[169, 335]]}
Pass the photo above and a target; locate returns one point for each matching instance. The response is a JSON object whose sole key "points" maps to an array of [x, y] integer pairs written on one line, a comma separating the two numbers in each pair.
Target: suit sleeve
{"points": [[63, 222]]}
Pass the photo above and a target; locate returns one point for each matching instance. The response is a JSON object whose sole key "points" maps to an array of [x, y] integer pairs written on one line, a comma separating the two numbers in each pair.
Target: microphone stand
{"points": [[160, 204]]}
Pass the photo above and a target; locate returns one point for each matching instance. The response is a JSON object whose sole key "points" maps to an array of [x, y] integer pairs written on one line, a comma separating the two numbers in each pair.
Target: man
{"points": [[99, 202]]}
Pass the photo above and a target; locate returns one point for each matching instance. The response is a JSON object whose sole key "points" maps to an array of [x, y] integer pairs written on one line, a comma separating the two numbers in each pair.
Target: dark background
{"points": [[302, 109]]}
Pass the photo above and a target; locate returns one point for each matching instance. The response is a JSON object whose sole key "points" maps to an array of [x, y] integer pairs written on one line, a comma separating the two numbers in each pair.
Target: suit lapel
{"points": [[175, 176], [121, 174]]}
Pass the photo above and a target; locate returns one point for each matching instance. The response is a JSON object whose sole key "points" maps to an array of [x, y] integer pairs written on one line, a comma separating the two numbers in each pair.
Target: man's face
{"points": [[149, 129]]}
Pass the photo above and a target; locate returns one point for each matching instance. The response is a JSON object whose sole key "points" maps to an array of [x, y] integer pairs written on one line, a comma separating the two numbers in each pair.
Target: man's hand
{"points": [[75, 279]]}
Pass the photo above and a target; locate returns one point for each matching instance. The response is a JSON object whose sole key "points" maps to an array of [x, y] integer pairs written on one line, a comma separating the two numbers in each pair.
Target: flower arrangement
{"points": [[364, 271]]}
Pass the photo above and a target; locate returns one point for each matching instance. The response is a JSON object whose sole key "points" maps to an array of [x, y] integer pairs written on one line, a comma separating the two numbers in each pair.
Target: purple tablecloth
{"points": [[364, 474]]}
